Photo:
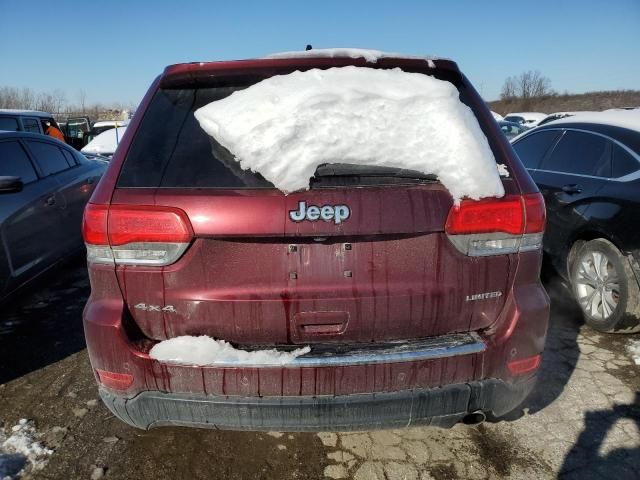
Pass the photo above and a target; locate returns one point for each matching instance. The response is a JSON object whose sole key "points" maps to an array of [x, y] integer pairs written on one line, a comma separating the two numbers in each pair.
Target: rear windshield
{"points": [[171, 150]]}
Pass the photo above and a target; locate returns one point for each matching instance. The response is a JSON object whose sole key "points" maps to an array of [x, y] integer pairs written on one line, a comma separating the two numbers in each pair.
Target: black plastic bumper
{"points": [[442, 407]]}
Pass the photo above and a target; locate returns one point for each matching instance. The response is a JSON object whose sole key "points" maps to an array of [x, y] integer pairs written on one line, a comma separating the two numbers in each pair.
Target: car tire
{"points": [[605, 287]]}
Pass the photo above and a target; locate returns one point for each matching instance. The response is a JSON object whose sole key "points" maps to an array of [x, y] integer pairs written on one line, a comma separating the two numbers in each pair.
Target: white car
{"points": [[104, 125], [528, 119], [497, 116], [105, 143]]}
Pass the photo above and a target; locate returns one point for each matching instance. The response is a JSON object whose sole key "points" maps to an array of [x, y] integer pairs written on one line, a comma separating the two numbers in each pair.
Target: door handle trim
{"points": [[572, 188]]}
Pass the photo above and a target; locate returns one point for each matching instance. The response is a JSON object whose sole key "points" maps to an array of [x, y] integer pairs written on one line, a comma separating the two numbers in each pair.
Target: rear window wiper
{"points": [[352, 170]]}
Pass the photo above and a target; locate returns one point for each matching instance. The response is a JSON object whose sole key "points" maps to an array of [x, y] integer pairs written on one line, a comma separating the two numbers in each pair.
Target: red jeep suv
{"points": [[417, 309]]}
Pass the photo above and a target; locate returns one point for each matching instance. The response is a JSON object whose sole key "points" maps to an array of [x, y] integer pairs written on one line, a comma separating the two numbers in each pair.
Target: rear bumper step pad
{"points": [[442, 407]]}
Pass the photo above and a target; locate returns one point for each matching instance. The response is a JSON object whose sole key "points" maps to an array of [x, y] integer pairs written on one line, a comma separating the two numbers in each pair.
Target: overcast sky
{"points": [[113, 49]]}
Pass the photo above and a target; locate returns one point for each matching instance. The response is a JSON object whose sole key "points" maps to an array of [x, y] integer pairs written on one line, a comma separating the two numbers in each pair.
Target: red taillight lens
{"points": [[513, 214], [94, 224], [487, 216], [148, 224], [116, 381], [134, 224], [536, 214], [525, 365]]}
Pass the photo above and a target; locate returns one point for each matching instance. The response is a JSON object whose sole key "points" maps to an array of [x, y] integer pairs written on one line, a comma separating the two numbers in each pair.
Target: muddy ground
{"points": [[582, 421]]}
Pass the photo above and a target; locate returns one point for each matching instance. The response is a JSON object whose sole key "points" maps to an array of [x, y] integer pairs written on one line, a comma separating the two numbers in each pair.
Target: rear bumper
{"points": [[441, 407]]}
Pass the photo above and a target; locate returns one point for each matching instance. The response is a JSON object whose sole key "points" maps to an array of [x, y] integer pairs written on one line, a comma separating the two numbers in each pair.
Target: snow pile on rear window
{"points": [[285, 126], [204, 350], [20, 451]]}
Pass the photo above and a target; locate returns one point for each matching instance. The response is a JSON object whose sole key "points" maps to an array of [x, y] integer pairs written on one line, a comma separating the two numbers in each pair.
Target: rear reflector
{"points": [[497, 226], [115, 381], [135, 235], [525, 365]]}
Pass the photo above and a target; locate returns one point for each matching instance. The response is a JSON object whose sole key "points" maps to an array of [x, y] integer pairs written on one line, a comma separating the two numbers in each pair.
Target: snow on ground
{"points": [[204, 350], [285, 126], [19, 449], [106, 142], [371, 56], [634, 350]]}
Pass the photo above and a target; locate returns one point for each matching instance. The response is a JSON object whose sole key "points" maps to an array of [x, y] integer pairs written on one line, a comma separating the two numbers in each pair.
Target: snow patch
{"points": [[502, 170], [20, 449], [285, 126], [106, 142], [634, 350], [370, 56], [204, 350]]}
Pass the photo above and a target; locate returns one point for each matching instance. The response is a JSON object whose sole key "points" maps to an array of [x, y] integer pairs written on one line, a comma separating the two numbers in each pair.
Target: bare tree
{"points": [[82, 99], [527, 85], [509, 89]]}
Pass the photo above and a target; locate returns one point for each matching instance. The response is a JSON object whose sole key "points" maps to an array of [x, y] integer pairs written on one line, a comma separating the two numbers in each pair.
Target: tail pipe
{"points": [[474, 418]]}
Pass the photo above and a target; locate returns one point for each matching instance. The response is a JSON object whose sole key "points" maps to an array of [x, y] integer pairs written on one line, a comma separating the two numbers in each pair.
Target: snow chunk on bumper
{"points": [[285, 126], [204, 350]]}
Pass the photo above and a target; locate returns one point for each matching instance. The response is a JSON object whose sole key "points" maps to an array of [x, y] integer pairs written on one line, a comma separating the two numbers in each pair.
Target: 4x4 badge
{"points": [[328, 213], [155, 308]]}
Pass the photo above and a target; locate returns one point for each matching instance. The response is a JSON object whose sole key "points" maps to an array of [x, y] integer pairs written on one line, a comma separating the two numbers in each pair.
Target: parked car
{"points": [[511, 129], [528, 119], [416, 310], [587, 168], [497, 116], [80, 131], [25, 121], [105, 143], [44, 186], [104, 125]]}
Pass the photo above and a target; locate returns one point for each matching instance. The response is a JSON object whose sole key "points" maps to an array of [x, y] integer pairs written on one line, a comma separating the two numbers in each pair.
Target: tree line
{"points": [[56, 102]]}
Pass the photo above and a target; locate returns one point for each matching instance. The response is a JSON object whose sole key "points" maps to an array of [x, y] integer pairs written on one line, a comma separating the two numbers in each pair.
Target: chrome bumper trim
{"points": [[425, 349]]}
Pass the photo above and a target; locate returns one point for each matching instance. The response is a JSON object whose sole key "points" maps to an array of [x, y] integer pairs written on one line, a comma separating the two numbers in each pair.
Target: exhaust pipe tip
{"points": [[474, 418]]}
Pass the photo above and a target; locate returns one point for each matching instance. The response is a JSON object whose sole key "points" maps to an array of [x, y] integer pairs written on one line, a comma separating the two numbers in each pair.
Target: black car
{"points": [[44, 186], [588, 169]]}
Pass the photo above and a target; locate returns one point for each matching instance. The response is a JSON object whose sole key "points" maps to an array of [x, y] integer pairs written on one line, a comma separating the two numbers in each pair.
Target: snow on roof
{"points": [[620, 118], [34, 113], [106, 142], [111, 123], [371, 56], [285, 126], [204, 350]]}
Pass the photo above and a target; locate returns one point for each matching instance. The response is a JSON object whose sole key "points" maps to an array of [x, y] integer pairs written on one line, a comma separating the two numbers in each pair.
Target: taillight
{"points": [[497, 226], [94, 224], [135, 235]]}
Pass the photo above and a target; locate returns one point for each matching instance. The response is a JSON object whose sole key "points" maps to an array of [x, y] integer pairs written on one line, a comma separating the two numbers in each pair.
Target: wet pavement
{"points": [[582, 421]]}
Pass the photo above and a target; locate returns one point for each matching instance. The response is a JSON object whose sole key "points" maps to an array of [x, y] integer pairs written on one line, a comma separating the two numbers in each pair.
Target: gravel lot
{"points": [[583, 420]]}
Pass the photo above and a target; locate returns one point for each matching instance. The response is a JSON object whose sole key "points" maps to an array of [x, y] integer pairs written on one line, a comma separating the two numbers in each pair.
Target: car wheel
{"points": [[605, 287]]}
